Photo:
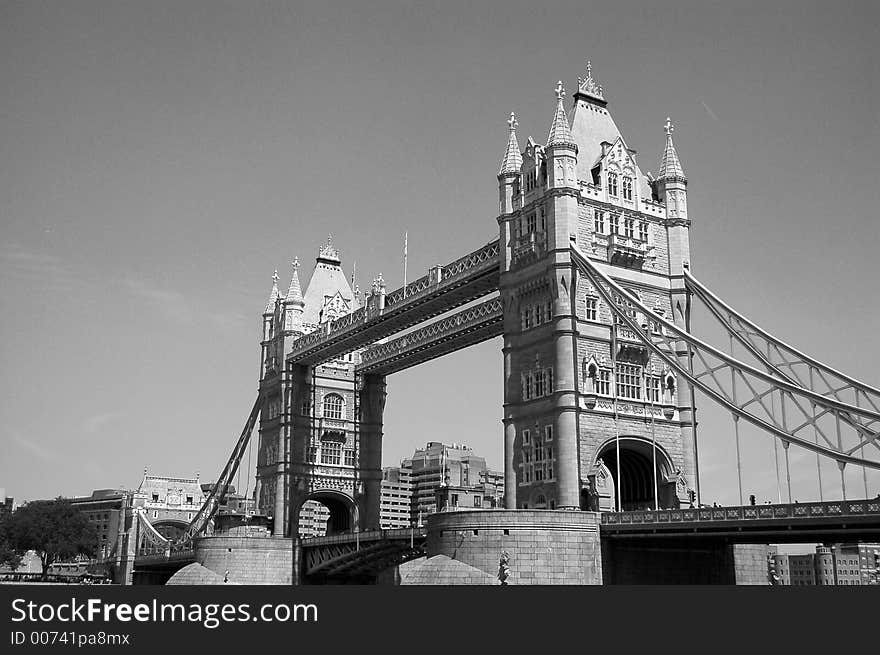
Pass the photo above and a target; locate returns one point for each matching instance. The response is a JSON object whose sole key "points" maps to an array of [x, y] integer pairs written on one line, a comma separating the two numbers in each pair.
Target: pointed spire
{"points": [[294, 291], [670, 166], [512, 158], [560, 132], [588, 86], [273, 296]]}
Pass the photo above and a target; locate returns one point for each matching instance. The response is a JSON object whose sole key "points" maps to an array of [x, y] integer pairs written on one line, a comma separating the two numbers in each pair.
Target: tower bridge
{"points": [[590, 285]]}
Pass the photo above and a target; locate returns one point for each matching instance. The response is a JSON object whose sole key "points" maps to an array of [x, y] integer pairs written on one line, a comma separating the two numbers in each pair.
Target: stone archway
{"points": [[338, 516], [636, 473], [171, 529]]}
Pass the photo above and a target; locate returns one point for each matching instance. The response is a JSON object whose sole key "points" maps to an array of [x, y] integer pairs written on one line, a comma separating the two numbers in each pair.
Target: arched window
{"points": [[612, 184], [627, 188], [333, 406]]}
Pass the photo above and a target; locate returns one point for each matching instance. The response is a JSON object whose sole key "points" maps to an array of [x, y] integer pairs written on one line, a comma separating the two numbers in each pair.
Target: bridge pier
{"points": [[370, 423]]}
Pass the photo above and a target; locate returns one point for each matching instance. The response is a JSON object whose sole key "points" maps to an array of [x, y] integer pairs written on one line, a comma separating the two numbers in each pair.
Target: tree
{"points": [[8, 555], [55, 529]]}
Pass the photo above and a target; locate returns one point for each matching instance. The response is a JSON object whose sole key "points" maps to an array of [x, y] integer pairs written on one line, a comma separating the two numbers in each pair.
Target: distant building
{"points": [[104, 509], [170, 503], [395, 501], [837, 565], [7, 504]]}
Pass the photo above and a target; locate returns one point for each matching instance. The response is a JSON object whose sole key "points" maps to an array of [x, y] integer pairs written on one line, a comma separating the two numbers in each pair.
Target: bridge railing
{"points": [[367, 535], [755, 512]]}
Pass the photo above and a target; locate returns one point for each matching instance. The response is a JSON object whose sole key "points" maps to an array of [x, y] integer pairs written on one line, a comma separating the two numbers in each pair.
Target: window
{"points": [[652, 384], [539, 451], [331, 452], [312, 456], [189, 500], [592, 309], [478, 501], [539, 314], [527, 318], [627, 188], [599, 220], [628, 228], [333, 406], [540, 389], [615, 224], [527, 386], [530, 223], [526, 437], [349, 457], [627, 380], [612, 184], [548, 433], [603, 383], [155, 498], [643, 231]]}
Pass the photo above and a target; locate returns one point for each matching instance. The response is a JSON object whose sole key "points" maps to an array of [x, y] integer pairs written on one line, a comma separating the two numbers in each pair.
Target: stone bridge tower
{"points": [[591, 420], [311, 444]]}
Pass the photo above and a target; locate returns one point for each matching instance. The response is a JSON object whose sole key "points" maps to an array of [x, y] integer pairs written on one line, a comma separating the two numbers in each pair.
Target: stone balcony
{"points": [[630, 252], [529, 247]]}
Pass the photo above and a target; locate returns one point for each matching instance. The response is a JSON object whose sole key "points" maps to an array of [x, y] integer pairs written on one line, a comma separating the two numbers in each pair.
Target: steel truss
{"points": [[777, 404]]}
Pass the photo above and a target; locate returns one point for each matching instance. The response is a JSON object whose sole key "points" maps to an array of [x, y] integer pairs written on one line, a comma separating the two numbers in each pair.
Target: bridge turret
{"points": [[670, 188], [293, 303], [268, 326], [509, 192]]}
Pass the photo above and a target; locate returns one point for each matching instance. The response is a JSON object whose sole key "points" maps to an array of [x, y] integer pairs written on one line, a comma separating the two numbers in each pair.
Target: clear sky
{"points": [[161, 159]]}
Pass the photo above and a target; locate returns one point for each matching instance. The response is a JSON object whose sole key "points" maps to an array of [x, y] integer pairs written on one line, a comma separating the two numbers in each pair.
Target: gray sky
{"points": [[160, 159]]}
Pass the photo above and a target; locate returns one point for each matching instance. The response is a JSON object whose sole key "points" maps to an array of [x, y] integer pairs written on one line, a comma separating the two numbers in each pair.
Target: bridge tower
{"points": [[591, 419], [310, 445]]}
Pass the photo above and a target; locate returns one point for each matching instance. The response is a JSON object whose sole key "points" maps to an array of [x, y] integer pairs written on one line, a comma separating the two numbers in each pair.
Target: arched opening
{"points": [[171, 530], [326, 513], [637, 474]]}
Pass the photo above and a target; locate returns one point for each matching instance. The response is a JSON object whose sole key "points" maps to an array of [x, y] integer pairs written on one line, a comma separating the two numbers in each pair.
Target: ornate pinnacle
{"points": [[275, 277], [560, 90], [670, 128], [512, 160], [512, 123], [588, 85]]}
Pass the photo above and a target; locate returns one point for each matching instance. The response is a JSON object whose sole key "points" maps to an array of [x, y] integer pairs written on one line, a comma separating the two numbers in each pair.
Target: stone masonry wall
{"points": [[249, 560], [545, 547]]}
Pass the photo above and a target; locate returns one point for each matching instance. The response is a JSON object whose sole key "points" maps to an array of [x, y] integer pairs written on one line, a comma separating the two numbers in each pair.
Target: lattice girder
{"points": [[778, 406]]}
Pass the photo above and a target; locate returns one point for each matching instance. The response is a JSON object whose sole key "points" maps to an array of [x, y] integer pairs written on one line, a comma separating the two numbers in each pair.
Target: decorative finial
{"points": [[511, 122], [295, 262], [275, 277], [588, 85], [669, 127], [329, 238], [560, 90]]}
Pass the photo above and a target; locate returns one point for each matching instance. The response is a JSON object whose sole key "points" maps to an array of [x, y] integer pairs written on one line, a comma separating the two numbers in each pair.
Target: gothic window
{"points": [[599, 221], [548, 433], [527, 318], [612, 184], [526, 435], [628, 383], [531, 223], [628, 228], [540, 382], [643, 231], [349, 457], [543, 220], [615, 224], [592, 309], [539, 451], [627, 188], [527, 386], [312, 455], [603, 383], [539, 314], [333, 406], [331, 452], [652, 388]]}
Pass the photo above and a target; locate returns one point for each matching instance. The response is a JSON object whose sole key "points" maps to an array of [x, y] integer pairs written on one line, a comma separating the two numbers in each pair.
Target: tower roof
{"points": [[328, 293], [560, 132], [512, 160], [294, 291], [273, 295], [670, 166]]}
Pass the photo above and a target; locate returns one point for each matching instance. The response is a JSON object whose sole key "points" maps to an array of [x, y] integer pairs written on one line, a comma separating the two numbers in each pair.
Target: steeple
{"points": [[560, 132], [670, 166], [294, 291], [512, 160], [273, 295]]}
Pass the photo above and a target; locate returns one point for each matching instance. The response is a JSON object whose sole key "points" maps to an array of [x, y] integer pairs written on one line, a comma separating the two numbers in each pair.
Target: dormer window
{"points": [[627, 188], [612, 184]]}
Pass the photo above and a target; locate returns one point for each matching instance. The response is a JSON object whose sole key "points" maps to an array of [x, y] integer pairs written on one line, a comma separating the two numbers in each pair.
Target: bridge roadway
{"points": [[444, 288], [829, 521]]}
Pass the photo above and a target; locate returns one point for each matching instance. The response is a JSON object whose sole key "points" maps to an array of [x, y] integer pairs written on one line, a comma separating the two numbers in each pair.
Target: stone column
{"points": [[372, 408], [565, 387]]}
